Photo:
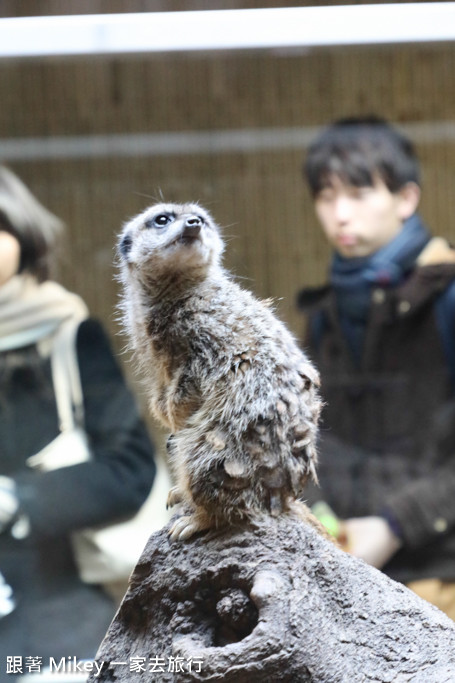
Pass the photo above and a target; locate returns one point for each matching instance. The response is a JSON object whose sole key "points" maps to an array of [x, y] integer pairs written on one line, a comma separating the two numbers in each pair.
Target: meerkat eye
{"points": [[160, 221]]}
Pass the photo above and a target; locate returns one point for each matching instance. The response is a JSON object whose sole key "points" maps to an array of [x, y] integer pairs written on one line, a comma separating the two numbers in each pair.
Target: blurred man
{"points": [[382, 334]]}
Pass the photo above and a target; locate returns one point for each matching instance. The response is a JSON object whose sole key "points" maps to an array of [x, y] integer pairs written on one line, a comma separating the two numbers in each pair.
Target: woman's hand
{"points": [[9, 503]]}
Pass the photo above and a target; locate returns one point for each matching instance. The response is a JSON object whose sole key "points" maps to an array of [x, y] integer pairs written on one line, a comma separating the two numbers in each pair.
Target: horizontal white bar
{"points": [[227, 29], [183, 143], [153, 144]]}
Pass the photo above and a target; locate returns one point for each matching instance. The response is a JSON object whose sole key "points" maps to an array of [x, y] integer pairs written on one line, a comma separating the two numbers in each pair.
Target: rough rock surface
{"points": [[271, 602]]}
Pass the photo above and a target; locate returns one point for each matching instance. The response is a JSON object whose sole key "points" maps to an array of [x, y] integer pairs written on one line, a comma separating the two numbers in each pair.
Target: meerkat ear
{"points": [[124, 245], [309, 372]]}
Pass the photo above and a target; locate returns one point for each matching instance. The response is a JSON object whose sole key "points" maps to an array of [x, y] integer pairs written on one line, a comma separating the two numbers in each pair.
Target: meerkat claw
{"points": [[186, 526], [173, 497], [183, 528]]}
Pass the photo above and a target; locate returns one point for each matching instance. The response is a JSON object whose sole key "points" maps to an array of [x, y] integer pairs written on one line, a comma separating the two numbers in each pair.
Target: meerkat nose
{"points": [[193, 221], [192, 226]]}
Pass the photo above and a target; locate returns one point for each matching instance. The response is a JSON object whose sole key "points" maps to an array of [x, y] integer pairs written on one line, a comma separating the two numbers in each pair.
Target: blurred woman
{"points": [[47, 610]]}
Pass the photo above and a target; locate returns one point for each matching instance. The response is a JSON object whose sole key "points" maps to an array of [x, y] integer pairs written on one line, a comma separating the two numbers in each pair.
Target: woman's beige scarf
{"points": [[31, 312]]}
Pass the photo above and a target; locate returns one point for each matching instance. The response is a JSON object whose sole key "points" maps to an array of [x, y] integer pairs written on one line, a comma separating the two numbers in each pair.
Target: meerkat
{"points": [[222, 373]]}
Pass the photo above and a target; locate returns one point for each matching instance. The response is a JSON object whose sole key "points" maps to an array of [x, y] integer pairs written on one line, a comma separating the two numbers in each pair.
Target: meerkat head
{"points": [[170, 239]]}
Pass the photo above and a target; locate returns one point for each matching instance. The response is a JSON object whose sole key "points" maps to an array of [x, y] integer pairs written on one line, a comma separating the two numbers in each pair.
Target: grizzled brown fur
{"points": [[221, 371]]}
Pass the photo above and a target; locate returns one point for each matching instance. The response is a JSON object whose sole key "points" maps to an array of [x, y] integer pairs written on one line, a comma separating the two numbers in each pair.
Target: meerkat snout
{"points": [[194, 223], [191, 229]]}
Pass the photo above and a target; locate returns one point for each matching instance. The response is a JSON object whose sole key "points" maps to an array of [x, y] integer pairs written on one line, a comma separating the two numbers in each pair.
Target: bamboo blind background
{"points": [[257, 194]]}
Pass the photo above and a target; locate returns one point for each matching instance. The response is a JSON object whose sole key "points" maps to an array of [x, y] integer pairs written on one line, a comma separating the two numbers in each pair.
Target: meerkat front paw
{"points": [[186, 526], [173, 497]]}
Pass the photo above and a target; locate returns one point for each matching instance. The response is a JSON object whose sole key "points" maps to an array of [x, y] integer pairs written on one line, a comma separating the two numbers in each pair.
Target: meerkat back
{"points": [[221, 371]]}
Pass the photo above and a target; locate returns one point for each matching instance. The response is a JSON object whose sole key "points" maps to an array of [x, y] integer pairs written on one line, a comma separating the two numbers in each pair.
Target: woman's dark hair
{"points": [[36, 229], [359, 150]]}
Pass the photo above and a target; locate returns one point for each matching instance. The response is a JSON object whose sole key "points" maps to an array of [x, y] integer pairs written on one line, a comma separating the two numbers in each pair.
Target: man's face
{"points": [[358, 221]]}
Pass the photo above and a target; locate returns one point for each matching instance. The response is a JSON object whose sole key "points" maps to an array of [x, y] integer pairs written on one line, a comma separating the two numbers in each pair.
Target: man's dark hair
{"points": [[358, 150]]}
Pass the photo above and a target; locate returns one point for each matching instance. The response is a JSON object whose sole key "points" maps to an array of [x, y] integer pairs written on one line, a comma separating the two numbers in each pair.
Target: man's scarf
{"points": [[353, 279]]}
